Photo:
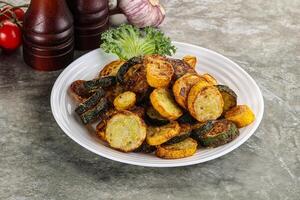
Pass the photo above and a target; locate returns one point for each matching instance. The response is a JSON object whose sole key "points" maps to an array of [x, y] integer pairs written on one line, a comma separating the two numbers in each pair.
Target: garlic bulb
{"points": [[143, 13]]}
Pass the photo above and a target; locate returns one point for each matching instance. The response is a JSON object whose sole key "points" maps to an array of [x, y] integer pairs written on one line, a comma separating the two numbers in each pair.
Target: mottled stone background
{"points": [[38, 161]]}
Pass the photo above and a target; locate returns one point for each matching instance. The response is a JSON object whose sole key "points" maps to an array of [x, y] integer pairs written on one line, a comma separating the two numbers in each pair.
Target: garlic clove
{"points": [[117, 19]]}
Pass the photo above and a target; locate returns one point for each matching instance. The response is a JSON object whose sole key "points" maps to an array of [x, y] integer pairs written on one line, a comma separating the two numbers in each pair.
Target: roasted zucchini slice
{"points": [[74, 95], [159, 71], [216, 133], [185, 132], [241, 115], [157, 135], [181, 149], [145, 148], [125, 131], [186, 118], [90, 102], [229, 97], [126, 66], [94, 113], [104, 82], [111, 69], [78, 91], [138, 110], [205, 105], [191, 60], [154, 118], [163, 102], [182, 86], [210, 79], [125, 100], [180, 68]]}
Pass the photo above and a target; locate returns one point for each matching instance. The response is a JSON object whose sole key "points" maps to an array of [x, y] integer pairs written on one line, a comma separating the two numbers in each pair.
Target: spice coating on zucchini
{"points": [[125, 131], [94, 113], [229, 97], [92, 85], [181, 149], [154, 118], [241, 115], [157, 135], [163, 102], [126, 66], [111, 69], [180, 68], [216, 133], [185, 132], [90, 102]]}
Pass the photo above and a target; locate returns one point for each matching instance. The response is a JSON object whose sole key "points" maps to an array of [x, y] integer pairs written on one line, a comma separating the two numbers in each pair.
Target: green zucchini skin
{"points": [[145, 148], [126, 66], [182, 136], [94, 113], [90, 102], [153, 118], [229, 97], [217, 133], [186, 118], [104, 82]]}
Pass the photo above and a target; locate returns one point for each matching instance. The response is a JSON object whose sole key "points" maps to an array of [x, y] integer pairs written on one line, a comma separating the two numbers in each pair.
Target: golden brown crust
{"points": [[163, 102], [241, 115], [182, 86], [191, 60], [125, 100], [182, 149], [210, 79], [111, 69], [157, 135]]}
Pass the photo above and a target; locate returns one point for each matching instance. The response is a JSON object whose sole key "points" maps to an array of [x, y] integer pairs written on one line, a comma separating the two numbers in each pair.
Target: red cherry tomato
{"points": [[6, 14], [10, 36]]}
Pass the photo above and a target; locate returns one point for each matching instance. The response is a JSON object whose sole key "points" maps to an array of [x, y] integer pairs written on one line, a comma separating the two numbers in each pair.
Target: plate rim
{"points": [[217, 155]]}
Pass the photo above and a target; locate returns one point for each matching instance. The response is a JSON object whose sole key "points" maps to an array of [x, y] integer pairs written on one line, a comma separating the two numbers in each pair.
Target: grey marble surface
{"points": [[38, 161]]}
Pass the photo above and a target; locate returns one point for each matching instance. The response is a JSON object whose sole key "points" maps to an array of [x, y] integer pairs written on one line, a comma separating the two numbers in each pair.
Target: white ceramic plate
{"points": [[87, 67]]}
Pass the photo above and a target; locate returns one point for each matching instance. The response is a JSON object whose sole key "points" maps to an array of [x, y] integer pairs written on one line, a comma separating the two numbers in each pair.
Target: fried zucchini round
{"points": [[112, 68], [182, 149], [210, 79], [159, 71], [182, 86], [125, 100], [163, 102], [216, 133], [206, 104], [229, 97], [125, 131], [185, 132], [157, 135], [154, 118], [180, 68], [191, 60], [241, 115]]}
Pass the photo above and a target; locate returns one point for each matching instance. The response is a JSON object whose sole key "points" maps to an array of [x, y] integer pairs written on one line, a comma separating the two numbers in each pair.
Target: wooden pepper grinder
{"points": [[48, 35], [90, 20]]}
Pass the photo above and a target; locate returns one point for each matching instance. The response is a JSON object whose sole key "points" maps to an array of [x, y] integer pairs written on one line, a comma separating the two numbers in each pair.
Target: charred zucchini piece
{"points": [[138, 110], [145, 148], [111, 69], [181, 149], [186, 118], [90, 102], [125, 100], [78, 90], [104, 82], [163, 102], [241, 115], [180, 68], [206, 104], [126, 66], [229, 97], [210, 79], [199, 129], [182, 86], [125, 131], [154, 118], [94, 113], [159, 71], [191, 60], [216, 133], [157, 135], [185, 132]]}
